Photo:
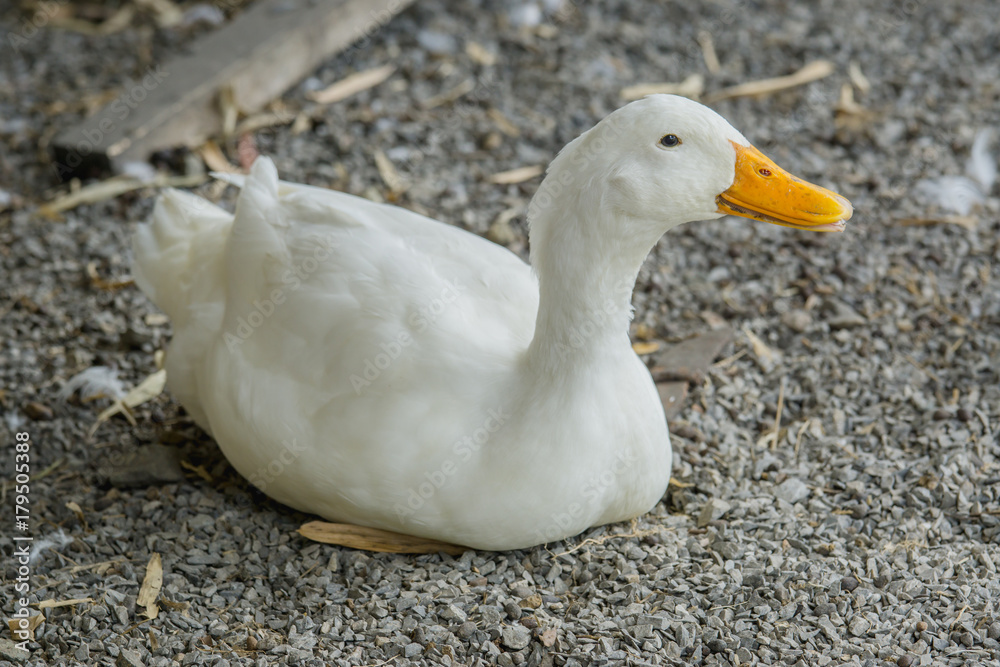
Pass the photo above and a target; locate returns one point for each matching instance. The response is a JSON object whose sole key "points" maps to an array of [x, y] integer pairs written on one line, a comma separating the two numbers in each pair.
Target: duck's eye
{"points": [[669, 140]]}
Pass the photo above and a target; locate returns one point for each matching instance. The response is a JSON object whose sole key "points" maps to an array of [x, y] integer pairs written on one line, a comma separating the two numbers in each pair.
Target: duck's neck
{"points": [[587, 266]]}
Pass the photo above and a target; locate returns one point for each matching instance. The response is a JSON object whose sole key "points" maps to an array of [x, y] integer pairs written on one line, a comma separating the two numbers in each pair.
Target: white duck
{"points": [[367, 364]]}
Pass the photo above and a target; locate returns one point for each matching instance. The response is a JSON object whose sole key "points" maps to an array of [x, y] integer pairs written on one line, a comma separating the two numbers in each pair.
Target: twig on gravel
{"points": [[692, 87], [352, 85], [967, 221], [518, 175], [813, 71], [89, 566], [604, 538], [55, 604], [373, 539], [112, 188], [728, 361], [708, 51]]}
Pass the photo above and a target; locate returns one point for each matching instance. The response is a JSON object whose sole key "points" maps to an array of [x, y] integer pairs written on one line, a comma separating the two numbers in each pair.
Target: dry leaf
{"points": [[708, 51], [101, 283], [644, 347], [170, 605], [150, 589], [33, 622], [118, 22], [479, 54], [76, 510], [713, 320], [198, 470], [352, 85], [301, 123], [145, 391], [373, 539], [548, 637], [167, 13], [644, 332], [111, 188], [503, 123], [55, 604], [228, 110], [278, 115], [814, 71], [388, 172], [156, 320], [214, 159], [92, 566], [448, 96], [859, 80], [518, 175], [766, 357], [691, 87], [846, 103]]}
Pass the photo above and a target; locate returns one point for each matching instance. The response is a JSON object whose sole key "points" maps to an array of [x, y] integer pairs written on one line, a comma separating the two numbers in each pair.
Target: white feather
{"points": [[962, 194], [982, 165], [56, 540], [92, 382]]}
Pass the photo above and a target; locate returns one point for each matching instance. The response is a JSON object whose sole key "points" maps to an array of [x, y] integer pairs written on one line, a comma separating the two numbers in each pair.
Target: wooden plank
{"points": [[255, 57]]}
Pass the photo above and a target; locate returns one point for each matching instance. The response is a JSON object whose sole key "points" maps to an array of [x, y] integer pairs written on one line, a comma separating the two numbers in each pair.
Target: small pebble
{"points": [[128, 659], [714, 509], [859, 626], [515, 637], [797, 320], [921, 626], [848, 584], [905, 660]]}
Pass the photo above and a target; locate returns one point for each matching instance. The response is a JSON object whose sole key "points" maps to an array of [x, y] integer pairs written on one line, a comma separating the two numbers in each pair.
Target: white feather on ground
{"points": [[94, 382], [961, 194], [56, 540]]}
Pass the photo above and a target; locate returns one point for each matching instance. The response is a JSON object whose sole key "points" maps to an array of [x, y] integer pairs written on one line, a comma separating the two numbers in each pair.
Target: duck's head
{"points": [[667, 160]]}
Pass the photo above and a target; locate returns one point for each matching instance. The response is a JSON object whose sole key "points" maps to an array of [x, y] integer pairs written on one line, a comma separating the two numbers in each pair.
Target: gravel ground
{"points": [[868, 534]]}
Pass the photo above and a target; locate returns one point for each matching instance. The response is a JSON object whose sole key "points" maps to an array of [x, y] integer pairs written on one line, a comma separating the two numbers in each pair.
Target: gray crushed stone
{"points": [[868, 534]]}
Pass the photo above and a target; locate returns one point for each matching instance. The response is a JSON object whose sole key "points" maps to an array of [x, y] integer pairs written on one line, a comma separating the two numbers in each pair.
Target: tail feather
{"points": [[178, 254], [179, 260]]}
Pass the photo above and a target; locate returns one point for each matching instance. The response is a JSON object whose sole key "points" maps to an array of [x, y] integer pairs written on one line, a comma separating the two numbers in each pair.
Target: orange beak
{"points": [[764, 191]]}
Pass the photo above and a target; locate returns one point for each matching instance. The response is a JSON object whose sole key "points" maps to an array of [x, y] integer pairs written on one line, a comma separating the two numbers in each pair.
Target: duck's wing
{"points": [[342, 296]]}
